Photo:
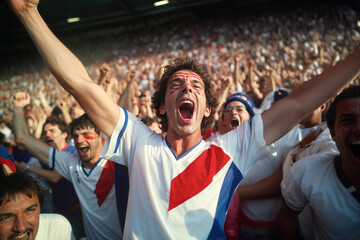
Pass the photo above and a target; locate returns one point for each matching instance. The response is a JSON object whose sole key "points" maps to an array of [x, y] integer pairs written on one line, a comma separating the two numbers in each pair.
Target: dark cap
{"points": [[243, 98]]}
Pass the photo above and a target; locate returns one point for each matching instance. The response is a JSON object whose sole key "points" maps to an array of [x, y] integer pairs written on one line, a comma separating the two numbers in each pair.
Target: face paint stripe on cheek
{"points": [[174, 90], [199, 93], [90, 137]]}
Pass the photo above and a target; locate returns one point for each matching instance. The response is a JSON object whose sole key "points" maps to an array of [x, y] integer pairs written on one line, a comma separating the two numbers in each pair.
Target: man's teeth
{"points": [[357, 142], [187, 101], [84, 149], [21, 236]]}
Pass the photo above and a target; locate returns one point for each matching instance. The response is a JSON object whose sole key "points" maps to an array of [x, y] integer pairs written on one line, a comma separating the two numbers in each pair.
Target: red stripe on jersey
{"points": [[9, 163], [197, 176], [105, 183]]}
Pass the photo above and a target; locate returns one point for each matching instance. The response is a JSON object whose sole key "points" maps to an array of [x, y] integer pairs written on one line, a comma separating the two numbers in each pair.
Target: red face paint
{"points": [[91, 137], [187, 77], [87, 137], [198, 93], [172, 91]]}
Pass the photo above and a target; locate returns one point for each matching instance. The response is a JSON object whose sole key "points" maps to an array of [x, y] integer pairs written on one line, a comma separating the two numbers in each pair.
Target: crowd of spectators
{"points": [[296, 45], [289, 47], [256, 54]]}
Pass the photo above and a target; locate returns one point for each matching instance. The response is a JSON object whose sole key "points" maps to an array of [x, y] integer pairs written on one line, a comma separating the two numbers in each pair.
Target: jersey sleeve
{"points": [[291, 189], [246, 144], [128, 133], [62, 162]]}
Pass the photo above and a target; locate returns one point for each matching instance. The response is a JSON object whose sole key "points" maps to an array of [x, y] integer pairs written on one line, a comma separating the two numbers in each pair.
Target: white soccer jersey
{"points": [[323, 143], [266, 210], [95, 190], [55, 227], [314, 181], [185, 197]]}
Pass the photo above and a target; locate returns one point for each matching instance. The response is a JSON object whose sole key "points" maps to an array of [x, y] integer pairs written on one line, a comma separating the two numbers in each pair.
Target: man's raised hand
{"points": [[21, 6], [21, 99]]}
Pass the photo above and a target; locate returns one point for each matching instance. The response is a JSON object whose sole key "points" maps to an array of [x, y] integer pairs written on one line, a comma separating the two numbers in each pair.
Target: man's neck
{"points": [[311, 124], [62, 146], [90, 164], [181, 145], [351, 174]]}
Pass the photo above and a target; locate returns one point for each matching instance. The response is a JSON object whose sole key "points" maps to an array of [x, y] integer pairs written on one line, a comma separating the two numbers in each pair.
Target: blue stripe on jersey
{"points": [[122, 131], [121, 191], [85, 172], [184, 154], [121, 181], [231, 181], [53, 159]]}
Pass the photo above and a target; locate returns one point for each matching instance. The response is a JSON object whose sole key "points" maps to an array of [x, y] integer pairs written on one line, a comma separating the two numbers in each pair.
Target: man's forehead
{"points": [[236, 103], [51, 126], [347, 108], [84, 129], [185, 74], [348, 105], [20, 197]]}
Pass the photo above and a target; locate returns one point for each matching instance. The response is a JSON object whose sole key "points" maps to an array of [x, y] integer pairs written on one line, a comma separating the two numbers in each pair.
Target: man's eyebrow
{"points": [[6, 214], [176, 78], [345, 115], [35, 205], [196, 80]]}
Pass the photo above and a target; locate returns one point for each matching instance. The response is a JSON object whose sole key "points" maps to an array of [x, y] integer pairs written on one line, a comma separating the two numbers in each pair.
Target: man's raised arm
{"points": [[280, 118], [36, 147], [67, 68]]}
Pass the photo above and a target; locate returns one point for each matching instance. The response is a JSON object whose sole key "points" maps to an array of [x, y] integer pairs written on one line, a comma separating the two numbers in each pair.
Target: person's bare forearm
{"points": [[20, 128], [63, 64], [308, 97], [49, 175], [70, 72], [126, 98], [47, 108], [37, 148], [267, 187], [38, 129], [288, 222]]}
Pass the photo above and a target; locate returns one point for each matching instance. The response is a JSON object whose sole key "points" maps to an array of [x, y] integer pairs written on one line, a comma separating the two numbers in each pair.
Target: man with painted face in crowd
{"points": [[91, 175], [180, 186]]}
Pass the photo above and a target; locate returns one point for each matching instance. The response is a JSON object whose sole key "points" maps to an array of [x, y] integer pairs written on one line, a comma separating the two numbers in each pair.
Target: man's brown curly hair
{"points": [[177, 65]]}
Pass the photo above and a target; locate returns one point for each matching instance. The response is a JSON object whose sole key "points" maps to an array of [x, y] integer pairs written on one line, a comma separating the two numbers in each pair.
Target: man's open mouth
{"points": [[234, 122], [23, 236], [84, 149], [186, 109], [355, 148]]}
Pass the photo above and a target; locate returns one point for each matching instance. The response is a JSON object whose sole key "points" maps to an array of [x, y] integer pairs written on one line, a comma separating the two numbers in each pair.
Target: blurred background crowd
{"points": [[256, 53]]}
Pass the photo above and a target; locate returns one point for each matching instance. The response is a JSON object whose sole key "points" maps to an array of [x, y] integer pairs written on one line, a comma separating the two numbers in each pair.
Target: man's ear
{"points": [[332, 134], [162, 109], [207, 111], [64, 135], [323, 107]]}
